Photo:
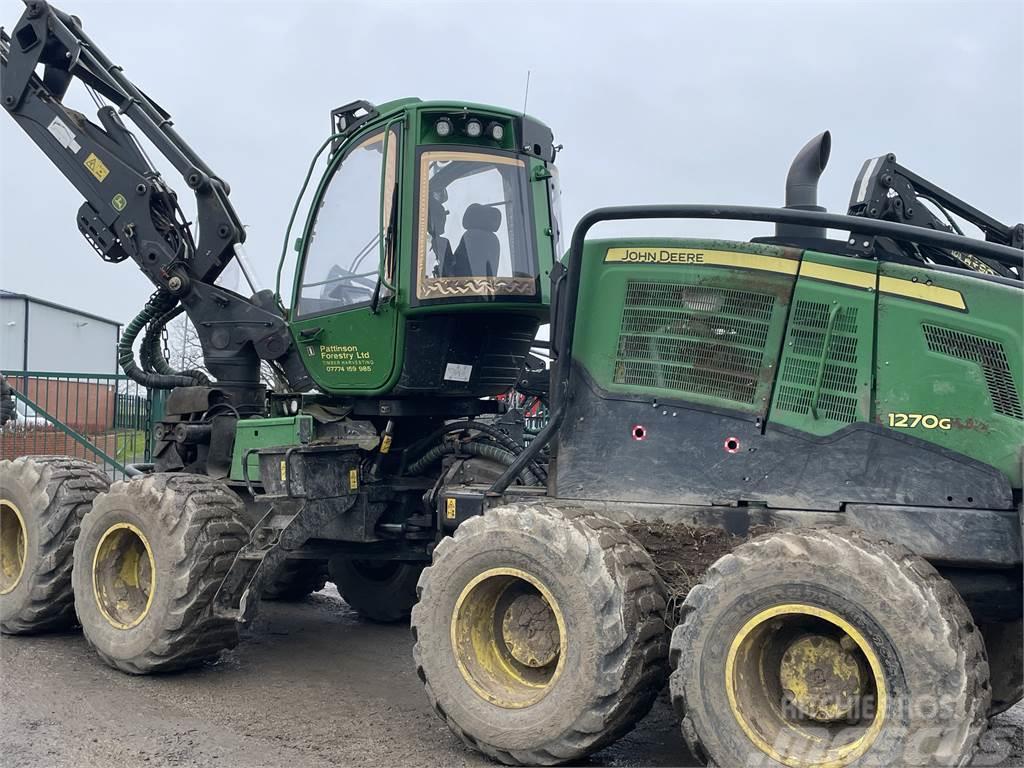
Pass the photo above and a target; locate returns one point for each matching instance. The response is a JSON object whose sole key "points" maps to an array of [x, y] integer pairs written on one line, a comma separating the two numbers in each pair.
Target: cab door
{"points": [[344, 320]]}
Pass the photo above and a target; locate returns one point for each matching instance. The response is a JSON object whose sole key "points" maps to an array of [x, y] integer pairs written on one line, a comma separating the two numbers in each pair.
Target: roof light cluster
{"points": [[473, 128]]}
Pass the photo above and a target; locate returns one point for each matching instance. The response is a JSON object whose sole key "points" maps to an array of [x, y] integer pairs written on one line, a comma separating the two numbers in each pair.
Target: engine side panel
{"points": [[620, 448], [710, 372], [950, 368]]}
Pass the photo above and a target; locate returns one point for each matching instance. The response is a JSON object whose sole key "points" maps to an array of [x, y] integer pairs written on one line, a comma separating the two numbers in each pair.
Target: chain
{"points": [[165, 343]]}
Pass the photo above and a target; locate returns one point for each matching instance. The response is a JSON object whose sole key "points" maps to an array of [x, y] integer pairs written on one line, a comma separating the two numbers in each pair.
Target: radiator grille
{"points": [[988, 354], [693, 339], [807, 358], [700, 298], [694, 325]]}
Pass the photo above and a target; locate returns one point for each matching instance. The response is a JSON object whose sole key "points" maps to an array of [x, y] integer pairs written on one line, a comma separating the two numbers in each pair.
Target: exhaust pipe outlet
{"points": [[802, 185]]}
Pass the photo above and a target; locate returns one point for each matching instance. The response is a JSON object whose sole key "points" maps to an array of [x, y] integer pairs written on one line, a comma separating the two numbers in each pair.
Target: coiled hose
{"points": [[151, 356], [483, 450], [159, 303]]}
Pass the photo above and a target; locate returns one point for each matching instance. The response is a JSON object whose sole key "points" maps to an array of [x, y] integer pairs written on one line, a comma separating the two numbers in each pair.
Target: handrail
{"points": [[295, 211]]}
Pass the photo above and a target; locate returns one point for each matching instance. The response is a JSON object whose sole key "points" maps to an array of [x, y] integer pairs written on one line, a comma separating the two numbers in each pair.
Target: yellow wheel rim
{"points": [[509, 639], [13, 546], [123, 575], [805, 686]]}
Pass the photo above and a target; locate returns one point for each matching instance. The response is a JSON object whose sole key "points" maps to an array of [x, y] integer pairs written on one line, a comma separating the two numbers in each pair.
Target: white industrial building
{"points": [[39, 335]]}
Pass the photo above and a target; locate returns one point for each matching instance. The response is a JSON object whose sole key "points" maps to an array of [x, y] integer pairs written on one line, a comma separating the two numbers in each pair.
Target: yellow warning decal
{"points": [[353, 479], [700, 256], [385, 444], [449, 508], [96, 167], [284, 470], [932, 294]]}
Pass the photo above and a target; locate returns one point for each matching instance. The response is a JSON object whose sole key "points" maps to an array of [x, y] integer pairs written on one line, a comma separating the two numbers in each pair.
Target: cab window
{"points": [[340, 269], [475, 231]]}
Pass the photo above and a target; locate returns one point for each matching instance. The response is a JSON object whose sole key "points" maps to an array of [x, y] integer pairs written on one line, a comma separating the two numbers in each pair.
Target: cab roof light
{"points": [[443, 127], [496, 131], [474, 128]]}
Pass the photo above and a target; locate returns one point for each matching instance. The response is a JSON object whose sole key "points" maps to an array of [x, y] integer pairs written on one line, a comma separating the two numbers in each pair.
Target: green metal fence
{"points": [[105, 418]]}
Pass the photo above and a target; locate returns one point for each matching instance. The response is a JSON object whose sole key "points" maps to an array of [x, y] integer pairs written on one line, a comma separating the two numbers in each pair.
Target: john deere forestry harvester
{"points": [[845, 415]]}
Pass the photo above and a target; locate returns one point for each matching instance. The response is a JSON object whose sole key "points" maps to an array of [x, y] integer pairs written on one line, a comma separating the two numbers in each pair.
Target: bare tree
{"points": [[184, 352]]}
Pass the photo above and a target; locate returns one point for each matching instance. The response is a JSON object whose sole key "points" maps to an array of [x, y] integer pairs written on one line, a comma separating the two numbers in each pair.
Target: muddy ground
{"points": [[311, 685]]}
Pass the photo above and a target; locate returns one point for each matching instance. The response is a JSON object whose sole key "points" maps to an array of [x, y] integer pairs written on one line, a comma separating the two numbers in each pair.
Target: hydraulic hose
{"points": [[499, 437], [151, 356], [159, 303], [482, 450]]}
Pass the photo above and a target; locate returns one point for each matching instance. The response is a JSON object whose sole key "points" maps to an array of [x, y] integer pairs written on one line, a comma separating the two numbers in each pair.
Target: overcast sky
{"points": [[656, 103]]}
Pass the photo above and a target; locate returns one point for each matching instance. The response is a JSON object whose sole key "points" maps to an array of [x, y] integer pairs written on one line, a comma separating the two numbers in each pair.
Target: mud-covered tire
{"points": [[296, 580], [1004, 644], [928, 651], [383, 591], [615, 650], [51, 494], [193, 527]]}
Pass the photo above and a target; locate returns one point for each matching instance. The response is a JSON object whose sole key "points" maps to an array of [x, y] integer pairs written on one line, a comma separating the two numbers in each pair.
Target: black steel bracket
{"points": [[886, 191]]}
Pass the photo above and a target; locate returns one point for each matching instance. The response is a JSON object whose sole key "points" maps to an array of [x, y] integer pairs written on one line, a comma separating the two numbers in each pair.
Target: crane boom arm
{"points": [[129, 210]]}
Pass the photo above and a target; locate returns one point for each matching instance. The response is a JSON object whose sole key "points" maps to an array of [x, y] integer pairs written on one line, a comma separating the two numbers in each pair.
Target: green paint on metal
{"points": [[108, 415], [951, 377], [355, 350], [824, 378], [358, 352], [255, 434], [694, 331], [539, 175], [62, 427], [829, 340]]}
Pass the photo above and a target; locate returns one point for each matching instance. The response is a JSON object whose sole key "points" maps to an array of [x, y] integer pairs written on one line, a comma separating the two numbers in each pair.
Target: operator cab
{"points": [[425, 261]]}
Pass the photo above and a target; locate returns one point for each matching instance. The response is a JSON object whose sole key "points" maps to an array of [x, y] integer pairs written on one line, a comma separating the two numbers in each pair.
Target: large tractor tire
{"points": [[540, 633], [379, 590], [42, 502], [1004, 643], [148, 562], [827, 647], [296, 580]]}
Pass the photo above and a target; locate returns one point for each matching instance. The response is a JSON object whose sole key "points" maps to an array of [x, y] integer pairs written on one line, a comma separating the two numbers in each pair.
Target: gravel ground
{"points": [[310, 685]]}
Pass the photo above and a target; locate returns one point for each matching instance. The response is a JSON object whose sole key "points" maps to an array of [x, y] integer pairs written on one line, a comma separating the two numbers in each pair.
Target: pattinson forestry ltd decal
{"points": [[345, 358]]}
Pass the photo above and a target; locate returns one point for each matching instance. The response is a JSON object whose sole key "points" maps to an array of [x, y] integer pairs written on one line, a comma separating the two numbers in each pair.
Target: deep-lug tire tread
{"points": [[633, 666], [210, 522], [834, 544], [65, 488]]}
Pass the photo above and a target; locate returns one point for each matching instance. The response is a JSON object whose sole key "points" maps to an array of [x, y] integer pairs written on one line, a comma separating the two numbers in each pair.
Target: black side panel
{"points": [[631, 450], [494, 346]]}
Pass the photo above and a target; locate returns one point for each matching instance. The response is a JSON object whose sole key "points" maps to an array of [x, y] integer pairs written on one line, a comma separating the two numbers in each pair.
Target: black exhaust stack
{"points": [[802, 185]]}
